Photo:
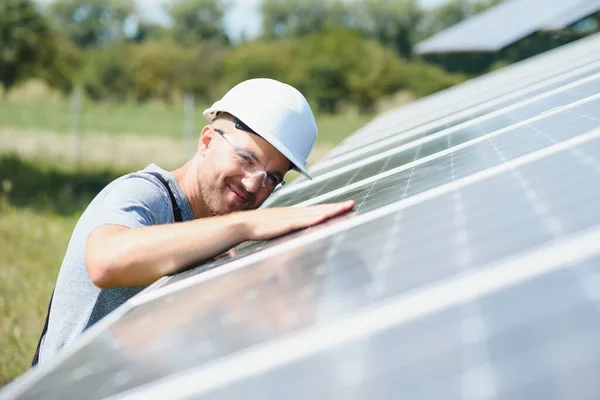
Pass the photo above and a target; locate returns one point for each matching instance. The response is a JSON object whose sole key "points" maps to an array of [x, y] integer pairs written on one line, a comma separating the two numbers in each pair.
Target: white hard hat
{"points": [[277, 112]]}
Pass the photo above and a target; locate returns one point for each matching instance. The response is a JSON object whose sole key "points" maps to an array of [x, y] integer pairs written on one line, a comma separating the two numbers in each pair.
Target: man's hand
{"points": [[271, 222]]}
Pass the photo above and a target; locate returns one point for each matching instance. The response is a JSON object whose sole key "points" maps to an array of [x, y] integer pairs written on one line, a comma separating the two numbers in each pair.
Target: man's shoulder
{"points": [[135, 184], [137, 193]]}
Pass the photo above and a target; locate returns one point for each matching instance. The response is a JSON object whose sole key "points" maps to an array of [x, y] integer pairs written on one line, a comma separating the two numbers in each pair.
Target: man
{"points": [[130, 234]]}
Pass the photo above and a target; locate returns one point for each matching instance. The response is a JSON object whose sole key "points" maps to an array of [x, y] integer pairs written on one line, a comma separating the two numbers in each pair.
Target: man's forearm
{"points": [[140, 256]]}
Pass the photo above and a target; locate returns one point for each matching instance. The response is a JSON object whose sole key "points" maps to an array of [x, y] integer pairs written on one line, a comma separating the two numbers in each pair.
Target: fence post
{"points": [[76, 121], [189, 108]]}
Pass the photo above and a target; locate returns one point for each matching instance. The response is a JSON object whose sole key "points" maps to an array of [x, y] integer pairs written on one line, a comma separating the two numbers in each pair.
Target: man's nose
{"points": [[252, 182]]}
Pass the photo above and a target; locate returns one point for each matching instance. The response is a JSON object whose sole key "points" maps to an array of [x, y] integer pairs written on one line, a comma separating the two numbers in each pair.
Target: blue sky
{"points": [[243, 16]]}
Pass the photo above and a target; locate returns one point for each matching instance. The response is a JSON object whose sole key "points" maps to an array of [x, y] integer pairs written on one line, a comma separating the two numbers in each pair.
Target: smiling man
{"points": [[152, 223]]}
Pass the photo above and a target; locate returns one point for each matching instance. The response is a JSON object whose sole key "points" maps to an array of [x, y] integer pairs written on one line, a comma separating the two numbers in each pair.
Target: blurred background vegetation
{"points": [[90, 90]]}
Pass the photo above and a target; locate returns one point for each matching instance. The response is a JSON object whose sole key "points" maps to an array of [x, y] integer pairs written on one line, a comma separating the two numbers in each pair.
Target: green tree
{"points": [[379, 73], [23, 37], [162, 70], [342, 67], [424, 79], [105, 75], [258, 59], [61, 66], [392, 23], [198, 20], [291, 18], [92, 23]]}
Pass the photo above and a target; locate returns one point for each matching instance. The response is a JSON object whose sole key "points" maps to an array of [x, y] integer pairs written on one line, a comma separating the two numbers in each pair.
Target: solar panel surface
{"points": [[469, 269], [516, 343], [577, 12]]}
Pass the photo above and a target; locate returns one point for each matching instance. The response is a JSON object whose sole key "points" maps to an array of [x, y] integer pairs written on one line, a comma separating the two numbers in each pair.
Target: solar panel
{"points": [[576, 13], [498, 27], [516, 343], [469, 269]]}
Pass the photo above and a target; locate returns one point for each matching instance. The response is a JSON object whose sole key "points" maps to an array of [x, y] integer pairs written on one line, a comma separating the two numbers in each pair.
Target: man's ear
{"points": [[206, 136]]}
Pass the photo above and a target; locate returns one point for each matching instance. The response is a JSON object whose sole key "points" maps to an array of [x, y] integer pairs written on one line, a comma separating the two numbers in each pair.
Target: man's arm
{"points": [[120, 256]]}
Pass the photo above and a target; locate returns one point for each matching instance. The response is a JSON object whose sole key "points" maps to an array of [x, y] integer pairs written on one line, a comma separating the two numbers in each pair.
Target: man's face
{"points": [[224, 184]]}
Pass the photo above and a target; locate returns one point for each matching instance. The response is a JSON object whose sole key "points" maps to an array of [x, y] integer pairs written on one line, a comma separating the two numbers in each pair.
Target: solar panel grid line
{"points": [[319, 178], [472, 324], [311, 237], [401, 309], [375, 178], [552, 224], [503, 79], [335, 161]]}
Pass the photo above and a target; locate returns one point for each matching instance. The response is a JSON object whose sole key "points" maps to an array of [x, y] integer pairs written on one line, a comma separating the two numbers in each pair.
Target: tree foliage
{"points": [[92, 23], [391, 22], [197, 20], [332, 69], [290, 18], [161, 70], [337, 52], [24, 36], [105, 75], [61, 64]]}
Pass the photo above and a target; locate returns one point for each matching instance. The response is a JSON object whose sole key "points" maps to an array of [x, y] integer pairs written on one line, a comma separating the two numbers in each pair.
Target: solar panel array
{"points": [[470, 268]]}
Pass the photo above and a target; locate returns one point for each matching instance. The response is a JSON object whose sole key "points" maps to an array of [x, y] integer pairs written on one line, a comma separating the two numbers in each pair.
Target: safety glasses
{"points": [[247, 162]]}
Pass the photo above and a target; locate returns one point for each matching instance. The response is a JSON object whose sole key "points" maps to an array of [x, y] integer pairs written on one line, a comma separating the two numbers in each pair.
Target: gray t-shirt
{"points": [[134, 200]]}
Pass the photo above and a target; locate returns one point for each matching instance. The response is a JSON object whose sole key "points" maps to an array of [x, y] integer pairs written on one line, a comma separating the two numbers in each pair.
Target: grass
{"points": [[33, 244], [39, 207], [43, 190]]}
